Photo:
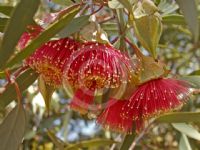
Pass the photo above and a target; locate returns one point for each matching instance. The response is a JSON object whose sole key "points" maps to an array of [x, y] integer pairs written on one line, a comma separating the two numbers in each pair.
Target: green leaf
{"points": [[90, 144], [117, 4], [45, 36], [74, 26], [196, 72], [189, 9], [16, 27], [179, 117], [24, 81], [64, 2], [12, 129], [7, 10], [110, 28], [184, 143], [3, 23], [127, 4], [173, 19], [167, 7], [194, 80], [188, 130], [46, 91], [128, 140], [148, 30]]}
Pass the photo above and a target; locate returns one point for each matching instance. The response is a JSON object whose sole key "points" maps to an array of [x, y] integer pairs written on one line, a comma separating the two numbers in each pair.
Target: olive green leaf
{"points": [[12, 129]]}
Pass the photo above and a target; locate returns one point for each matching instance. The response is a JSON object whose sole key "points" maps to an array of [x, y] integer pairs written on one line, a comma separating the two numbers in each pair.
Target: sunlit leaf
{"points": [[24, 81], [189, 9], [116, 4], [184, 143], [148, 30], [173, 19], [12, 129], [45, 36], [167, 7], [194, 80], [188, 130], [179, 117], [16, 27]]}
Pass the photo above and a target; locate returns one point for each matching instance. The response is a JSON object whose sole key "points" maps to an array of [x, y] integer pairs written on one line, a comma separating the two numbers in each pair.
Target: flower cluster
{"points": [[90, 67]]}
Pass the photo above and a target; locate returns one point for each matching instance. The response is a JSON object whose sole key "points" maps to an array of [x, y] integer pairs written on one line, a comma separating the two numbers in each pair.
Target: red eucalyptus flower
{"points": [[95, 66], [112, 119], [149, 99], [155, 97], [82, 100], [34, 31], [98, 66], [49, 59]]}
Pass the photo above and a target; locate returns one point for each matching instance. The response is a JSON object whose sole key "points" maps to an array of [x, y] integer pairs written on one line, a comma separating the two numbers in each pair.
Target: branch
{"points": [[141, 135]]}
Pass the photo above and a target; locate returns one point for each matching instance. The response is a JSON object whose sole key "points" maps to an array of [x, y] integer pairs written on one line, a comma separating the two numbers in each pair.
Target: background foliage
{"points": [[179, 48]]}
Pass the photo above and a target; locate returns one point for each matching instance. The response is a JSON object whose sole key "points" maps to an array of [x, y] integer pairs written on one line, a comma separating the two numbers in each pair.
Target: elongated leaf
{"points": [[3, 23], [45, 36], [196, 72], [110, 27], [24, 81], [167, 7], [148, 30], [128, 140], [127, 4], [16, 27], [174, 19], [7, 10], [179, 117], [12, 129], [117, 4], [194, 80], [90, 144], [189, 9], [188, 130], [63, 2], [184, 143], [74, 26]]}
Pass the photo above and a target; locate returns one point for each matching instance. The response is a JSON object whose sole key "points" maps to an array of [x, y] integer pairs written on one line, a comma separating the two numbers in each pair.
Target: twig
{"points": [[141, 135], [136, 50], [94, 12], [118, 138], [107, 19], [11, 80]]}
